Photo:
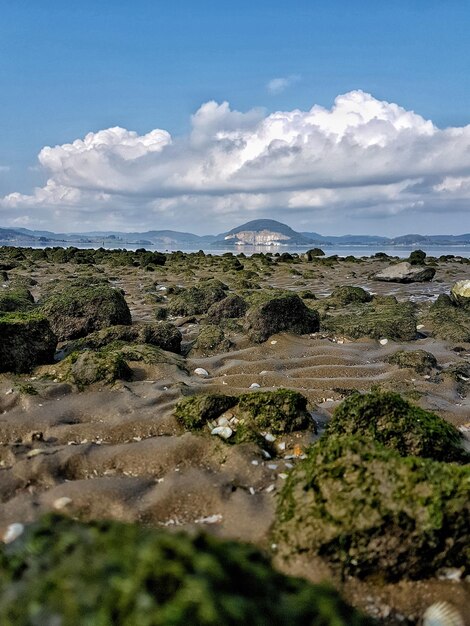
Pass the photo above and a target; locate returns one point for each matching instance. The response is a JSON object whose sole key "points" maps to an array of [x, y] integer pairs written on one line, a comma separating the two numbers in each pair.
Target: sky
{"points": [[335, 117]]}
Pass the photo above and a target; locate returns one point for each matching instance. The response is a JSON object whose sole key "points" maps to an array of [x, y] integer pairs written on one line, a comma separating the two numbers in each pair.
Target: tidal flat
{"points": [[194, 392]]}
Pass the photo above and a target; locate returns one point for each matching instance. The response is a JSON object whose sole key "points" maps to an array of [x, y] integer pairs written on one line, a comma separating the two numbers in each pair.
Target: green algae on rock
{"points": [[89, 367], [77, 310], [15, 299], [348, 295], [281, 411], [196, 300], [448, 320], [26, 340], [371, 512], [389, 319], [211, 339], [232, 306], [288, 313], [195, 411], [420, 361], [395, 423], [101, 573]]}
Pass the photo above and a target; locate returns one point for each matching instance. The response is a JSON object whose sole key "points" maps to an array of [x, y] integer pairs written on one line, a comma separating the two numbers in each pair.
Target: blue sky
{"points": [[70, 68]]}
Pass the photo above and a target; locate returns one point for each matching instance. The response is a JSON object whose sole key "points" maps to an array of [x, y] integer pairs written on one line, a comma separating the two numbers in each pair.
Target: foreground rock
{"points": [[15, 299], [288, 313], [395, 423], [77, 310], [371, 512], [406, 273], [26, 340], [448, 320], [420, 361], [58, 572]]}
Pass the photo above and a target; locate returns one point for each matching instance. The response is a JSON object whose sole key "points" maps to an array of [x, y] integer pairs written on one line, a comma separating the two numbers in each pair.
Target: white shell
{"points": [[383, 342], [254, 386], [442, 614], [222, 431], [62, 502], [12, 532], [200, 371]]}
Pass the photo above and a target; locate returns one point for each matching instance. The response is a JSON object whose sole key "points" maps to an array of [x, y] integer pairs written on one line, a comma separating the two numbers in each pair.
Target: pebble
{"points": [[200, 371], [225, 432], [61, 503], [383, 342], [13, 531], [254, 386]]}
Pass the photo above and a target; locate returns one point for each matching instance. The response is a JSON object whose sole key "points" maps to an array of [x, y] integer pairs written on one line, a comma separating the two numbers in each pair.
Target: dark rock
{"points": [[287, 313], [194, 412], [232, 306], [347, 295], [15, 299], [197, 300], [210, 339], [26, 340], [420, 361]]}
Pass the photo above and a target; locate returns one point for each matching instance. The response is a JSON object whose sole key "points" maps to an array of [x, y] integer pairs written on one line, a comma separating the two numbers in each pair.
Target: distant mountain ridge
{"points": [[260, 232]]}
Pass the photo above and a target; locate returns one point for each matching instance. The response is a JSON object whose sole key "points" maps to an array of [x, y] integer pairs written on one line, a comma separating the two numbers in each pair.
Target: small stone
{"points": [[225, 432], [383, 342], [200, 371], [61, 503], [13, 531]]}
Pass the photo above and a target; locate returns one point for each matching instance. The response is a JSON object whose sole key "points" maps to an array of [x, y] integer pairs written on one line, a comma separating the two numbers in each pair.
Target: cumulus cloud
{"points": [[278, 85], [362, 158]]}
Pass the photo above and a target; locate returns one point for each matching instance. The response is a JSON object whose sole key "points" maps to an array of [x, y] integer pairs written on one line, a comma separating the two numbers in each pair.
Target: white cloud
{"points": [[278, 85], [361, 159], [4, 168]]}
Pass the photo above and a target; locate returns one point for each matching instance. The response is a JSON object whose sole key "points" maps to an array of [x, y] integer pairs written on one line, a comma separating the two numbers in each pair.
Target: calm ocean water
{"points": [[342, 251]]}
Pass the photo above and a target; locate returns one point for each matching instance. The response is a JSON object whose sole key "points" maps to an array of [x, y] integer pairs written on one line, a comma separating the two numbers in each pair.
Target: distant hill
{"points": [[261, 232]]}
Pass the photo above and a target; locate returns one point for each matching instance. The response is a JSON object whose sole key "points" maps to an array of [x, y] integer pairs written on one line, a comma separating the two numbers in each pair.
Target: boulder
{"points": [[448, 320], [15, 299], [211, 339], [89, 367], [77, 310], [232, 306], [62, 571], [26, 340], [420, 361], [346, 294], [406, 273], [371, 512], [287, 313], [197, 300], [390, 420], [194, 412], [460, 293]]}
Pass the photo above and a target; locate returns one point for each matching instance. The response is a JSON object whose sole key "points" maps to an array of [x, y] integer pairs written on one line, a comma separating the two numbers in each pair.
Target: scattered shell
{"points": [[272, 466], [254, 386], [225, 432], [13, 532], [383, 342], [266, 454], [273, 342], [211, 519], [283, 476], [450, 573], [61, 503], [252, 491], [281, 445], [200, 371], [263, 373], [442, 614], [269, 437], [255, 462], [7, 393], [270, 488], [420, 326], [222, 421]]}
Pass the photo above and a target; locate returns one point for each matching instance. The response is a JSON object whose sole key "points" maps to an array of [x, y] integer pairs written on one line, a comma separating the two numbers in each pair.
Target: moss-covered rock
{"points": [[287, 313], [197, 300], [314, 253], [195, 411], [26, 340], [89, 367], [420, 361], [211, 339], [281, 411], [66, 572], [449, 321], [369, 511], [395, 423], [76, 310], [392, 320], [15, 299], [232, 306], [347, 295]]}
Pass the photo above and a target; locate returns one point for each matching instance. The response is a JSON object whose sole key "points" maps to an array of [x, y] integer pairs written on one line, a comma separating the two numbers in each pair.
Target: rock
{"points": [[197, 300], [232, 306], [395, 423], [460, 293], [406, 273], [313, 253], [420, 361], [370, 512], [211, 339], [377, 319], [280, 411], [195, 411], [89, 367], [26, 340], [61, 569], [287, 313], [15, 299], [77, 310], [346, 295], [448, 320]]}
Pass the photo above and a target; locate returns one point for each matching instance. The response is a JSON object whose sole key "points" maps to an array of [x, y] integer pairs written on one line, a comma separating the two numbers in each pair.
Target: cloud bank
{"points": [[361, 160]]}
